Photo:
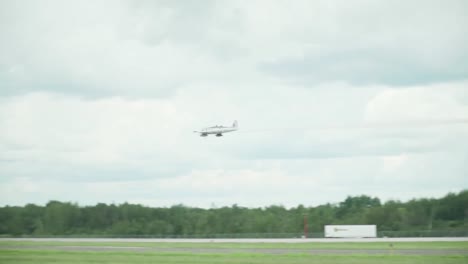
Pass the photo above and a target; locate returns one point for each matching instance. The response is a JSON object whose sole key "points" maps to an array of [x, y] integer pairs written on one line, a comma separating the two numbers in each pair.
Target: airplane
{"points": [[217, 130]]}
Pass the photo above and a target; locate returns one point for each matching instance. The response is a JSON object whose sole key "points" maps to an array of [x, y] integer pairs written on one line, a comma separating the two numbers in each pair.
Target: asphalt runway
{"points": [[178, 249], [245, 240]]}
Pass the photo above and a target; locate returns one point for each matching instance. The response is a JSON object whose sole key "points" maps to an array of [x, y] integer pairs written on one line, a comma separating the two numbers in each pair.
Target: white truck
{"points": [[354, 231]]}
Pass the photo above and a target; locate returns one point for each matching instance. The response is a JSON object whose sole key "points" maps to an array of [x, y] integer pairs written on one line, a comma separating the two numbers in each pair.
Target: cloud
{"points": [[370, 42], [336, 139], [98, 101], [108, 136], [99, 49], [146, 49], [446, 101], [288, 183]]}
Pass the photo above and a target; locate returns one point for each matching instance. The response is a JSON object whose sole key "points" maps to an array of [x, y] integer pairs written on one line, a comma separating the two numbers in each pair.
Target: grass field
{"points": [[27, 256], [50, 252]]}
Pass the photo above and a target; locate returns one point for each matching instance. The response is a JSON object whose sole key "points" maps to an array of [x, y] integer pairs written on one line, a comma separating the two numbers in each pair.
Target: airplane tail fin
{"points": [[235, 125]]}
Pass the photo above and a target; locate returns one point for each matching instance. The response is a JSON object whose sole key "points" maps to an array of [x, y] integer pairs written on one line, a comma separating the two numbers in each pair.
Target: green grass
{"points": [[31, 256], [23, 252], [310, 245]]}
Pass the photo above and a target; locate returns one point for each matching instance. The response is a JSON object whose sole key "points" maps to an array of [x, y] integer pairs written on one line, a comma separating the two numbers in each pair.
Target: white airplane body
{"points": [[217, 130]]}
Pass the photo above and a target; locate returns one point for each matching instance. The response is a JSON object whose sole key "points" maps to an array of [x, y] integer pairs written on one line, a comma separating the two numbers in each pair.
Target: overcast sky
{"points": [[98, 101]]}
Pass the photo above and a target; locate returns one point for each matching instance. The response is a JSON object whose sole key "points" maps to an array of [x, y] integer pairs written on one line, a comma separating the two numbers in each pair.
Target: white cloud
{"points": [[143, 150], [288, 183], [427, 103], [153, 49], [332, 99]]}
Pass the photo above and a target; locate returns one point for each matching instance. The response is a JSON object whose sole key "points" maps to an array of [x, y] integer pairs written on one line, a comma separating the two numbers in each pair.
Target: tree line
{"points": [[64, 218]]}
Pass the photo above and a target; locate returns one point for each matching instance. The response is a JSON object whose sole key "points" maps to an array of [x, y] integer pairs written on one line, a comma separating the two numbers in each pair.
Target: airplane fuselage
{"points": [[218, 130]]}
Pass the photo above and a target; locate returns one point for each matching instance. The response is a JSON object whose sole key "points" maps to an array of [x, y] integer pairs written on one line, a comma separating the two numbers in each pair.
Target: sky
{"points": [[99, 101]]}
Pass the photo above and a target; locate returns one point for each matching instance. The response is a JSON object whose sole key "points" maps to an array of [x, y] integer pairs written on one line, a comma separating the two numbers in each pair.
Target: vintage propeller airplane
{"points": [[217, 130]]}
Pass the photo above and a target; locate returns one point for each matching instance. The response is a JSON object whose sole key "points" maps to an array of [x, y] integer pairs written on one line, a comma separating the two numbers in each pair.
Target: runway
{"points": [[210, 247], [245, 240]]}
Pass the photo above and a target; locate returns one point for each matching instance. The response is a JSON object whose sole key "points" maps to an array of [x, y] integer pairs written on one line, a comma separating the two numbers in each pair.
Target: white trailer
{"points": [[350, 231]]}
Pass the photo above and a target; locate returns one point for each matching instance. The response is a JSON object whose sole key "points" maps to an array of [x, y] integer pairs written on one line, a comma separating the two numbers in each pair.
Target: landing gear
{"points": [[219, 135]]}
